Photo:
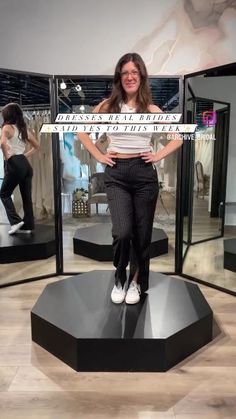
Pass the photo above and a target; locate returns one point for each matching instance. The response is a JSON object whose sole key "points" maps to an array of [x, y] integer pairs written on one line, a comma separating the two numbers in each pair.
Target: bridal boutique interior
{"points": [[82, 175], [32, 93], [210, 206]]}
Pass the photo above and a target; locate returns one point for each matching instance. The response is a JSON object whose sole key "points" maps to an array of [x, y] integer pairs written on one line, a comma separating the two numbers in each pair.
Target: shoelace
{"points": [[133, 286]]}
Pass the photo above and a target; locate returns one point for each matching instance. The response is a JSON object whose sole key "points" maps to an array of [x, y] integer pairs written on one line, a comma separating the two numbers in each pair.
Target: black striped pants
{"points": [[132, 191], [18, 171]]}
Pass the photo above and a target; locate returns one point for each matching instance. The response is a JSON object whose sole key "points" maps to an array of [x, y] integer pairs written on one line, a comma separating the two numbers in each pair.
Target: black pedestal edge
{"points": [[98, 354]]}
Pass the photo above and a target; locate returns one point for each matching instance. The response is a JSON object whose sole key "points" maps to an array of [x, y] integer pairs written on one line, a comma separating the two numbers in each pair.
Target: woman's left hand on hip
{"points": [[150, 157]]}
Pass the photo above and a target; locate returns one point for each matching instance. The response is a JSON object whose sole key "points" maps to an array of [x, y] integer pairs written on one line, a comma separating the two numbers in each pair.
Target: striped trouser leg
{"points": [[132, 191]]}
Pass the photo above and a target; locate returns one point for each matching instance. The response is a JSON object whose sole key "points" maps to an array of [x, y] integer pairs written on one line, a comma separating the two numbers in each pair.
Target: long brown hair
{"points": [[13, 115], [118, 95]]}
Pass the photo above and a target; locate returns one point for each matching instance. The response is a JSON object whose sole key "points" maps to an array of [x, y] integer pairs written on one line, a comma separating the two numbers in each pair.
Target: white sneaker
{"points": [[133, 293], [118, 294], [15, 227]]}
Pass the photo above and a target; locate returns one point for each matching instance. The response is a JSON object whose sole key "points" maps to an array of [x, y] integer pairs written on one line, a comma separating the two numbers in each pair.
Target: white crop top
{"points": [[15, 144], [129, 143]]}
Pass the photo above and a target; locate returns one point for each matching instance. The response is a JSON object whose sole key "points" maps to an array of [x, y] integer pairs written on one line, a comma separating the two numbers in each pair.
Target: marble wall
{"points": [[88, 37]]}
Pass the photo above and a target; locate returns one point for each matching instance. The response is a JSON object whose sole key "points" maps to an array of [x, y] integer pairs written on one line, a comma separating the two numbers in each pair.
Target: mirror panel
{"points": [[208, 160], [212, 215], [79, 208], [32, 93]]}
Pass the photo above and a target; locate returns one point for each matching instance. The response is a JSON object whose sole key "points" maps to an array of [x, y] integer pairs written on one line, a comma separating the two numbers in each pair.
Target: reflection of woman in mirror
{"points": [[130, 178], [18, 171]]}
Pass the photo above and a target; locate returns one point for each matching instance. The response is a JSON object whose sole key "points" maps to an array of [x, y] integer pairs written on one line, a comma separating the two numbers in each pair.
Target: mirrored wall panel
{"points": [[87, 240], [210, 194], [27, 232]]}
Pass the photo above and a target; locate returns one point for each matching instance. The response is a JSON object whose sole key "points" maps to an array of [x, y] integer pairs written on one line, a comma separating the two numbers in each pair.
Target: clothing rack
{"points": [[44, 106], [39, 107], [39, 112]]}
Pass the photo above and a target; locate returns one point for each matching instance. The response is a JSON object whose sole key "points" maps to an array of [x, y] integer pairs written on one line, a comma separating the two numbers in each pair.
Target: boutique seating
{"points": [[96, 190]]}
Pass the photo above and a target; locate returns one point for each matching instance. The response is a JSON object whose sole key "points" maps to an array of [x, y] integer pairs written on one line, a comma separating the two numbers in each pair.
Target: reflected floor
{"points": [[164, 218], [75, 263], [206, 262], [203, 226]]}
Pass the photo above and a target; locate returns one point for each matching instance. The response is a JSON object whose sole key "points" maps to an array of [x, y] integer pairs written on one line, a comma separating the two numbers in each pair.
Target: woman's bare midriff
{"points": [[126, 156]]}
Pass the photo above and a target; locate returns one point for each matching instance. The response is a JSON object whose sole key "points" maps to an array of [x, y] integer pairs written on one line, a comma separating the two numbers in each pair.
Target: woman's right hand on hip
{"points": [[107, 159]]}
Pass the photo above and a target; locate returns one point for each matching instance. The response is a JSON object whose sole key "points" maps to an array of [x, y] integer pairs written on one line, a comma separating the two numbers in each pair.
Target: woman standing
{"points": [[18, 171], [130, 178]]}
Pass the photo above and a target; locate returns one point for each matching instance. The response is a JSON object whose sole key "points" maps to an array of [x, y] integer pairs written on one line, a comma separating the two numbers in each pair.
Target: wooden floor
{"points": [[35, 385]]}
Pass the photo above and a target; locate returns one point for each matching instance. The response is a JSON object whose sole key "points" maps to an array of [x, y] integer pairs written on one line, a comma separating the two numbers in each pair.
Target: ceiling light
{"points": [[63, 85], [78, 88]]}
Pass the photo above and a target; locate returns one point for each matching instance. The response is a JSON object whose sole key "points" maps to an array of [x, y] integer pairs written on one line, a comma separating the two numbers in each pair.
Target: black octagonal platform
{"points": [[95, 242], [21, 247], [75, 320], [230, 254]]}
